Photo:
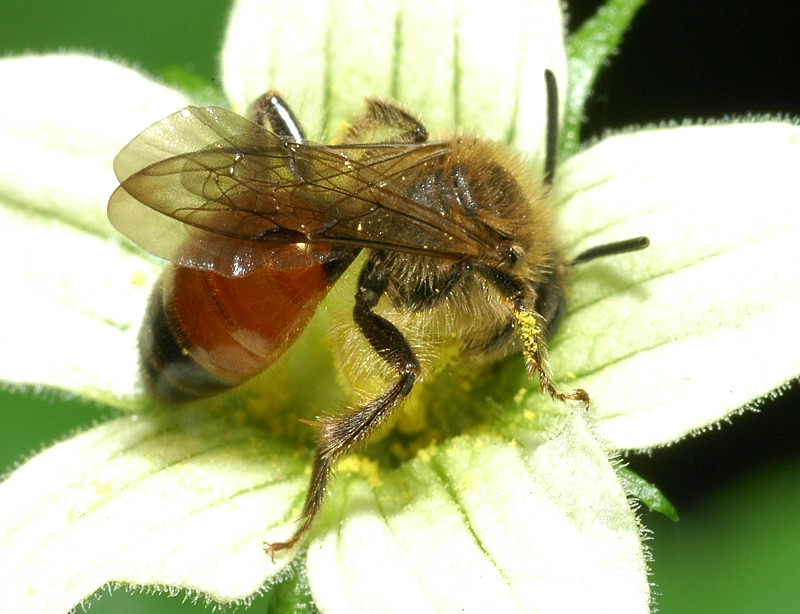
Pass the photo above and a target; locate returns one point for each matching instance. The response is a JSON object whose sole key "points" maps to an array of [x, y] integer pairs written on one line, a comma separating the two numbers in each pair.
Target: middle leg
{"points": [[342, 433]]}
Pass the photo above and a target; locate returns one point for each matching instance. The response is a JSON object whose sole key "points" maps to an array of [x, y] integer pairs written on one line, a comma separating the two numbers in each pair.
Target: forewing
{"points": [[370, 195], [209, 189], [179, 180]]}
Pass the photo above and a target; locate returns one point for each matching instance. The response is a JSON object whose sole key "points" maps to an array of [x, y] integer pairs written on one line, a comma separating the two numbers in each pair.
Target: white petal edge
{"points": [[482, 525], [325, 57], [61, 127], [169, 500], [676, 338]]}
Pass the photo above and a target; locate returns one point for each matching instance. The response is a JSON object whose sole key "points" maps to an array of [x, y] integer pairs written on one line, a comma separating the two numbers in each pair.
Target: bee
{"points": [[257, 223]]}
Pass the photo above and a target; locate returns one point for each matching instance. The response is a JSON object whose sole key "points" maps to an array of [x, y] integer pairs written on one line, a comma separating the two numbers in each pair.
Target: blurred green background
{"points": [[737, 545]]}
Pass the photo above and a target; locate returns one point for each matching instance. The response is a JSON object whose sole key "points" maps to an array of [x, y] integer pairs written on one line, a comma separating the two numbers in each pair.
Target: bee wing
{"points": [[209, 189]]}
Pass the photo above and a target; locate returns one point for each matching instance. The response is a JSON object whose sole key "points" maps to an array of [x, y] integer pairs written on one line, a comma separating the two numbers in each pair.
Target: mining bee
{"points": [[258, 223]]}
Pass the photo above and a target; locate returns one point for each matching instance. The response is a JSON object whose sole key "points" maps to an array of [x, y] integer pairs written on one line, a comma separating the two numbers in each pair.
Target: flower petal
{"points": [[459, 65], [481, 525], [63, 125], [176, 499], [60, 133], [704, 322]]}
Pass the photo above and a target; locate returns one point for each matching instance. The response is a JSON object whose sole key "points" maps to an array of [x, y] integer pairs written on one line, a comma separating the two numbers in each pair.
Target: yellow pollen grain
{"points": [[528, 333], [529, 327], [365, 467], [139, 279]]}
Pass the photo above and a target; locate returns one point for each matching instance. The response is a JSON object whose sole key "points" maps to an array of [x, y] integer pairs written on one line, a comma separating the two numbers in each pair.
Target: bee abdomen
{"points": [[169, 371], [204, 333]]}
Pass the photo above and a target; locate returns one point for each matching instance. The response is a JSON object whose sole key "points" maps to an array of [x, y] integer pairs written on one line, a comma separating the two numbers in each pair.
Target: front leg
{"points": [[341, 433], [531, 328]]}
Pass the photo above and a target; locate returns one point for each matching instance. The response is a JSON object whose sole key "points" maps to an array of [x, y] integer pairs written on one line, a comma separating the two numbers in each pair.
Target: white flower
{"points": [[523, 512]]}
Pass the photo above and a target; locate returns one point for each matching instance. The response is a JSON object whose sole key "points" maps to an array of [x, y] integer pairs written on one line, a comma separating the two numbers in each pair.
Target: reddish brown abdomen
{"points": [[204, 333]]}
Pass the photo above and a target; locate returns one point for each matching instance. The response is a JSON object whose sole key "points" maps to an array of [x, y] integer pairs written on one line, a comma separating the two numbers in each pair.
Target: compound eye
{"points": [[509, 258]]}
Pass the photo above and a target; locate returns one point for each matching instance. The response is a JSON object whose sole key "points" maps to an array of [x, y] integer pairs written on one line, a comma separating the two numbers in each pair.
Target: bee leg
{"points": [[385, 121], [341, 433], [530, 331], [531, 327], [271, 111]]}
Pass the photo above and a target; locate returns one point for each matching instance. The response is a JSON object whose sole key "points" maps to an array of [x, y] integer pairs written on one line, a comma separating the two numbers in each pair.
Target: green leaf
{"points": [[647, 493], [588, 50]]}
